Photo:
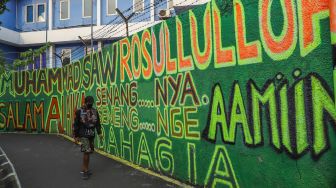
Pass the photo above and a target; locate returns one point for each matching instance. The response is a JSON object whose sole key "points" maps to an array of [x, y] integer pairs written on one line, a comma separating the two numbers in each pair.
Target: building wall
{"points": [[9, 52], [125, 6], [8, 18], [76, 15], [16, 19], [22, 25]]}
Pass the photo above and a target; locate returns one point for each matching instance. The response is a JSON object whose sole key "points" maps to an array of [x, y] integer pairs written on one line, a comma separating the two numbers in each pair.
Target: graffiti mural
{"points": [[230, 94]]}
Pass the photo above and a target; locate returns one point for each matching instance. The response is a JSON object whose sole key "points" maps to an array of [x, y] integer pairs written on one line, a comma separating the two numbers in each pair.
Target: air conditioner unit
{"points": [[164, 14]]}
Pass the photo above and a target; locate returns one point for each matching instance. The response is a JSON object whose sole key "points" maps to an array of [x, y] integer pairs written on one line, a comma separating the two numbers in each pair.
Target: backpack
{"points": [[88, 119]]}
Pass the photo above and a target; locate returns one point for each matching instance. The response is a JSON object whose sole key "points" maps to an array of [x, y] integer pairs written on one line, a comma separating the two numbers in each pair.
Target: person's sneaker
{"points": [[88, 172], [85, 175]]}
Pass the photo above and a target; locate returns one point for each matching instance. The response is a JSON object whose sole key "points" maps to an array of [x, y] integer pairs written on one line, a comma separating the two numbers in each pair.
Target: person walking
{"points": [[86, 121]]}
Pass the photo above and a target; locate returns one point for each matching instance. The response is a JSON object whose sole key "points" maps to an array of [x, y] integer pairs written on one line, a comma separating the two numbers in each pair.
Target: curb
{"points": [[8, 176]]}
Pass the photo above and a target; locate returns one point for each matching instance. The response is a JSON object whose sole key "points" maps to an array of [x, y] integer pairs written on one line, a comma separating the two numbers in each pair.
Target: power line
{"points": [[145, 10], [98, 31], [77, 52], [110, 22], [142, 15], [118, 25], [113, 29]]}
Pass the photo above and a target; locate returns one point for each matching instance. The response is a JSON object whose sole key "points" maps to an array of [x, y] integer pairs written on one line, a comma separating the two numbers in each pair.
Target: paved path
{"points": [[52, 161]]}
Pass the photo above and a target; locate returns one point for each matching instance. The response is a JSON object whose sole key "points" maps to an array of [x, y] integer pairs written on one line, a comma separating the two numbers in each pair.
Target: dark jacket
{"points": [[86, 121]]}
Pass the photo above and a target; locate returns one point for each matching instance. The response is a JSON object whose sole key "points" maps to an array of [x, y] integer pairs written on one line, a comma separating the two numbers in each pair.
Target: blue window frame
{"points": [[64, 10], [138, 6], [41, 14], [170, 4], [87, 8], [29, 13], [111, 7]]}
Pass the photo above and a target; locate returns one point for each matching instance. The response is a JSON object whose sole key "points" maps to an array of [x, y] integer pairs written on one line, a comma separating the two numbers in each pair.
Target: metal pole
{"points": [[85, 44], [125, 19], [46, 12], [47, 27], [127, 29], [91, 26]]}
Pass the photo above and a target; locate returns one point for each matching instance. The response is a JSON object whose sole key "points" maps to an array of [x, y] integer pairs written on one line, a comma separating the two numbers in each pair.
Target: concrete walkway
{"points": [[52, 161]]}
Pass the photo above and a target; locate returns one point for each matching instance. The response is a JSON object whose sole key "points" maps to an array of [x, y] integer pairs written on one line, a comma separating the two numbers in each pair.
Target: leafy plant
{"points": [[3, 7], [25, 58], [3, 65], [28, 57]]}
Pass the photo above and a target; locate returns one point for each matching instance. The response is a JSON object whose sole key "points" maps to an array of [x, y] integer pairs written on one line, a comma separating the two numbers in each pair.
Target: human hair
{"points": [[89, 99]]}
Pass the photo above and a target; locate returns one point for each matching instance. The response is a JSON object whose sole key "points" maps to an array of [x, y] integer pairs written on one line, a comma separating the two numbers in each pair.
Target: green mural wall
{"points": [[230, 94]]}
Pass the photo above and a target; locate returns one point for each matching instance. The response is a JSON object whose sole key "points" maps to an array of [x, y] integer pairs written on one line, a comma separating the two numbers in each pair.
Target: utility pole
{"points": [[46, 12], [83, 41], [125, 19], [92, 26]]}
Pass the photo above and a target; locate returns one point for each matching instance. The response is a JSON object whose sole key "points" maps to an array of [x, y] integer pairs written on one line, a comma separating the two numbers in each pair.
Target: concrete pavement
{"points": [[52, 161]]}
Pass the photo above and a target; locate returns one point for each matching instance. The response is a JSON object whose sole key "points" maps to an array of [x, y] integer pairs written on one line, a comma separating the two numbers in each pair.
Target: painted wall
{"points": [[8, 18], [76, 15], [9, 52], [21, 16], [229, 94], [332, 6]]}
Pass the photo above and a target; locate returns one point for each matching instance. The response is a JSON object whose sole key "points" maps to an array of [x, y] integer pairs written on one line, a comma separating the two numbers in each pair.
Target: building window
{"points": [[66, 56], [64, 10], [87, 8], [111, 7], [138, 5], [41, 13], [29, 13], [170, 4]]}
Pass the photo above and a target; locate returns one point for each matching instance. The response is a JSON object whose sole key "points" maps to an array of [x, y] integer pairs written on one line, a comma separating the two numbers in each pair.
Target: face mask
{"points": [[89, 105]]}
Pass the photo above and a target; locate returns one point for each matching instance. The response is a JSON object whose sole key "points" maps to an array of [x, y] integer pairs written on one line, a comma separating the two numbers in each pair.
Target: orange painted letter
{"points": [[247, 52], [147, 72], [278, 47], [124, 60], [158, 66], [310, 13], [184, 62], [224, 57], [202, 58]]}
